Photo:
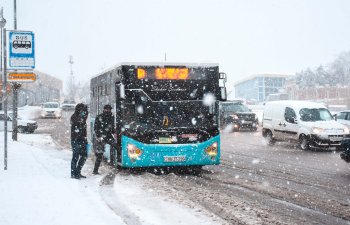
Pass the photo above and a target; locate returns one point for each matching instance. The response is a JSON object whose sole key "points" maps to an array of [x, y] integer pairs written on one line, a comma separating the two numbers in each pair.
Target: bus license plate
{"points": [[164, 140], [174, 158]]}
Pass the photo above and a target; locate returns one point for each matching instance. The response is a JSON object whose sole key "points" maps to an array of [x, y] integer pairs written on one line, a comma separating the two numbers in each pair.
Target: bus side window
{"points": [[107, 91]]}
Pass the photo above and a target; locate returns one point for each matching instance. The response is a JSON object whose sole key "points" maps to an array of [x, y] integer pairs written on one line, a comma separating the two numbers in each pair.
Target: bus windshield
{"points": [[161, 115]]}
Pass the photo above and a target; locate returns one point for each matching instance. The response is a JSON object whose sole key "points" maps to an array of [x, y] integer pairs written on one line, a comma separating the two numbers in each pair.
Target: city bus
{"points": [[166, 114]]}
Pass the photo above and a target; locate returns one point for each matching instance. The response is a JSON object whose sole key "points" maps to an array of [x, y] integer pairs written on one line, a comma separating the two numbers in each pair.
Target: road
{"points": [[255, 183]]}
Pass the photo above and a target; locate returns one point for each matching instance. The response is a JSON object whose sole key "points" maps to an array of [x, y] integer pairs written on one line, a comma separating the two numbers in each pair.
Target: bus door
{"points": [[119, 96]]}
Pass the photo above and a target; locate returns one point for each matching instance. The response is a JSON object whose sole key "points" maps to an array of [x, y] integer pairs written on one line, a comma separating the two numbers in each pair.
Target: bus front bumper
{"points": [[137, 154]]}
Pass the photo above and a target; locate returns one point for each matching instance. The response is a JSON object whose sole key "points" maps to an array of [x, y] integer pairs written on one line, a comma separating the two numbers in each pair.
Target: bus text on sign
{"points": [[21, 50]]}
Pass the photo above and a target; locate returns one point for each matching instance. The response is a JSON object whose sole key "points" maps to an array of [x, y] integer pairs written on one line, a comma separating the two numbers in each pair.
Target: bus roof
{"points": [[160, 64]]}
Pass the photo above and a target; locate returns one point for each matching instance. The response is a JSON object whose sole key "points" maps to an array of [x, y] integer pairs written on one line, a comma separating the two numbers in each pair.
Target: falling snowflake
{"points": [[140, 109], [209, 99], [256, 161], [194, 121]]}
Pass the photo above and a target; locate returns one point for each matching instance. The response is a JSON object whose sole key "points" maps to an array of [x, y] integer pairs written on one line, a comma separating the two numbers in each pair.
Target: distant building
{"points": [[327, 94], [258, 87], [46, 88]]}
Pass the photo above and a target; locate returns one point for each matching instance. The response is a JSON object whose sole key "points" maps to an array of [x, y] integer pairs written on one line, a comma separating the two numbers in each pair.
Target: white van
{"points": [[308, 123]]}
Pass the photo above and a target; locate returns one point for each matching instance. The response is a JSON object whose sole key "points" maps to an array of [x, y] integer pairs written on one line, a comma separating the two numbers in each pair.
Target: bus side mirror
{"points": [[120, 91], [223, 96], [223, 76]]}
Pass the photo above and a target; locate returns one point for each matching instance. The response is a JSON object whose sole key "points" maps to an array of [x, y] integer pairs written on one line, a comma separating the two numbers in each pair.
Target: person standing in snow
{"points": [[78, 140], [104, 132]]}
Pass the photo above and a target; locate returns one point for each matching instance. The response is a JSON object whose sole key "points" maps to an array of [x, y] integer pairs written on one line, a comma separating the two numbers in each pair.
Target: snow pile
{"points": [[37, 189], [29, 112]]}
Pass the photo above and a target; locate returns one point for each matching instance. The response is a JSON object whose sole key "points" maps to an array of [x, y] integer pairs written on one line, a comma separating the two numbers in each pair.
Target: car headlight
{"points": [[346, 130], [212, 150], [134, 152], [317, 130], [234, 116]]}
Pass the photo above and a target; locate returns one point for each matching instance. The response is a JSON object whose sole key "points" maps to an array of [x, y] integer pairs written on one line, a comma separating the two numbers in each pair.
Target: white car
{"points": [[308, 123], [343, 117], [51, 110], [68, 105], [23, 125]]}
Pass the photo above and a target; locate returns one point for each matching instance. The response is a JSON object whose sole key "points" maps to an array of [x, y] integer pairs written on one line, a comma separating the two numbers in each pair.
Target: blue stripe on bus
{"points": [[153, 154]]}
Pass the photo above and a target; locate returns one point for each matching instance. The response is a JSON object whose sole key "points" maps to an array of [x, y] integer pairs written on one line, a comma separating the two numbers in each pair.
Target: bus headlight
{"points": [[133, 151], [212, 150]]}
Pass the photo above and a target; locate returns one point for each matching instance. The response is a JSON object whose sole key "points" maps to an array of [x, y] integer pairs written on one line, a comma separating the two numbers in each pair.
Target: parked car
{"points": [[308, 123], [51, 110], [237, 115], [23, 125], [343, 117], [345, 154], [68, 105]]}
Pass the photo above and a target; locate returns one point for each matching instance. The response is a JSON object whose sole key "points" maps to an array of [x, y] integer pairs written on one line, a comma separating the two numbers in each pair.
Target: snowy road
{"points": [[259, 184], [37, 189]]}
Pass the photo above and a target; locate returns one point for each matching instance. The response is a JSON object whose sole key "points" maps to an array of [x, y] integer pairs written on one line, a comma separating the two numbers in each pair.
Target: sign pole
{"points": [[5, 99], [15, 87]]}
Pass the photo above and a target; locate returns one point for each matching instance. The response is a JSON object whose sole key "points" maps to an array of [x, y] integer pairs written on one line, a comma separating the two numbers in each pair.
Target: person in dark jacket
{"points": [[104, 132], [78, 140]]}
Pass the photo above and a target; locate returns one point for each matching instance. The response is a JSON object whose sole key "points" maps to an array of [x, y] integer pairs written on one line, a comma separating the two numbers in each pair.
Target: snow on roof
{"points": [[297, 104], [271, 75], [159, 64], [50, 103]]}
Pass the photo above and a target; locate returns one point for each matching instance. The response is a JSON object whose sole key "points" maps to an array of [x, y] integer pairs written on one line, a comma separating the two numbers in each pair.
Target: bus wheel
{"points": [[196, 170]]}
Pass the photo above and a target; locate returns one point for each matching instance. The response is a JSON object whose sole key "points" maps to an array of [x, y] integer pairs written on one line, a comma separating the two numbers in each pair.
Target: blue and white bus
{"points": [[167, 114]]}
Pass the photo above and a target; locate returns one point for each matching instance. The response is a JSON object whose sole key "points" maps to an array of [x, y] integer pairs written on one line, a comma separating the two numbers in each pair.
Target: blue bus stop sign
{"points": [[21, 52]]}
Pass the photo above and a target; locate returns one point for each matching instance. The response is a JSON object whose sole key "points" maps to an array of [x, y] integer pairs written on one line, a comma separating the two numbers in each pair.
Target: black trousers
{"points": [[79, 156], [100, 148]]}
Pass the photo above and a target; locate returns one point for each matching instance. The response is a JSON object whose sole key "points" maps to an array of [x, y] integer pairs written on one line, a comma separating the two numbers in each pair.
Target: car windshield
{"points": [[235, 108], [321, 114], [69, 102], [51, 105]]}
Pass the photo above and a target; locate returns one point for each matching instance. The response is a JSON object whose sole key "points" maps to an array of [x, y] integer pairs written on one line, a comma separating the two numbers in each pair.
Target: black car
{"points": [[237, 115]]}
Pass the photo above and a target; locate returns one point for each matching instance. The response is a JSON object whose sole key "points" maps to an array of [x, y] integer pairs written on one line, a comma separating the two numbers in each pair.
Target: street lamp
{"points": [[2, 19], [2, 25], [4, 82]]}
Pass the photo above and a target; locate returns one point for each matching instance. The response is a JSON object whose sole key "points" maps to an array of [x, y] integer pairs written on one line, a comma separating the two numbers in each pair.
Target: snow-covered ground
{"points": [[37, 189], [29, 112]]}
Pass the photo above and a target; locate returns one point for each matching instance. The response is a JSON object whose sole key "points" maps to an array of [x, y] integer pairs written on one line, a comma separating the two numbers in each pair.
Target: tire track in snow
{"points": [[111, 199]]}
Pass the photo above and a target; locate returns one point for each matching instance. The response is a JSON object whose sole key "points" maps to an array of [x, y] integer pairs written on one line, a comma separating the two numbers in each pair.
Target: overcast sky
{"points": [[245, 37]]}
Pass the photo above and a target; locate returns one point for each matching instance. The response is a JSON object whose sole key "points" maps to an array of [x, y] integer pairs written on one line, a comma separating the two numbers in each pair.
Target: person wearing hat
{"points": [[104, 132], [78, 140]]}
